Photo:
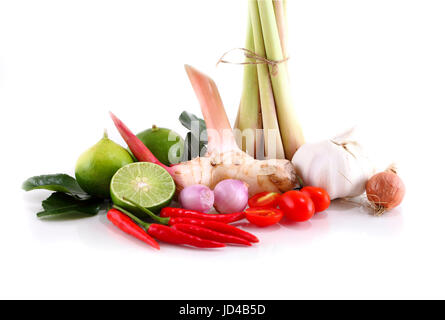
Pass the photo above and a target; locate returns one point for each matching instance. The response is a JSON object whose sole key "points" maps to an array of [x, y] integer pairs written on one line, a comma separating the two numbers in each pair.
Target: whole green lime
{"points": [[165, 144], [97, 166]]}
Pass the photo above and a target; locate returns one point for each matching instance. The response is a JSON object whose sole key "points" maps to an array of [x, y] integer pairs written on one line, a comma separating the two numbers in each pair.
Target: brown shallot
{"points": [[385, 190]]}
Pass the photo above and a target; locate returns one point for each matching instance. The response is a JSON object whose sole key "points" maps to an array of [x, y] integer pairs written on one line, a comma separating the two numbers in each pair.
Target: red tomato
{"points": [[297, 206], [264, 217], [264, 200], [319, 196]]}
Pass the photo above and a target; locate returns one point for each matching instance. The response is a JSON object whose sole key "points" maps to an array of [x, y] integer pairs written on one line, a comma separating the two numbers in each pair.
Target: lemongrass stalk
{"points": [[285, 13], [236, 124], [272, 138], [249, 118], [291, 132], [280, 16]]}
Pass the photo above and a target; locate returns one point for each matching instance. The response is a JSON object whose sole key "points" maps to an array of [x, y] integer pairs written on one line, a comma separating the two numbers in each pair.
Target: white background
{"points": [[377, 64]]}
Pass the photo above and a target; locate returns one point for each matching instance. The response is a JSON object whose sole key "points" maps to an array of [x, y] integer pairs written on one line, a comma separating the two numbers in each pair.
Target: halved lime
{"points": [[147, 184]]}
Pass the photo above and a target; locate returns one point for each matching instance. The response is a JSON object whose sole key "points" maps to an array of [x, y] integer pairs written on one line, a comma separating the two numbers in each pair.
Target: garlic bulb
{"points": [[339, 166]]}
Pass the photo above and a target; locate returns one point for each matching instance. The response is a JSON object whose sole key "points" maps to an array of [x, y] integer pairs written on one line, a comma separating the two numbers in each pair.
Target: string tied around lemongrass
{"points": [[254, 56]]}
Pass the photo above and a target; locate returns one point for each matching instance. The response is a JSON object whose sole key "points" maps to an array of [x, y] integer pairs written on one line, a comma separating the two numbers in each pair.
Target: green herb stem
{"points": [[291, 132], [249, 115], [148, 212], [141, 223], [272, 137], [280, 16]]}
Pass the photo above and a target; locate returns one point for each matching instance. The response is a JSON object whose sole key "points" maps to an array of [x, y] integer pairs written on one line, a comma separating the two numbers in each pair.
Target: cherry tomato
{"points": [[264, 217], [319, 196], [297, 206], [264, 200]]}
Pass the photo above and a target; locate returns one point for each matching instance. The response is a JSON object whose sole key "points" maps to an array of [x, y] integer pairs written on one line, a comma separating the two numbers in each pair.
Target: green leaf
{"points": [[63, 204], [196, 137], [54, 182]]}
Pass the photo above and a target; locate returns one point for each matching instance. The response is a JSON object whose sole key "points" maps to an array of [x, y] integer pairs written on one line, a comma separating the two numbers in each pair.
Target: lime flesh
{"points": [[147, 184]]}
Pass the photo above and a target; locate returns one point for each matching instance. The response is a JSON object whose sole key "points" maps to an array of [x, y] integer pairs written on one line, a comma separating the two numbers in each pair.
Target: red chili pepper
{"points": [[208, 234], [216, 226], [137, 147], [183, 213], [127, 225], [170, 235], [212, 225]]}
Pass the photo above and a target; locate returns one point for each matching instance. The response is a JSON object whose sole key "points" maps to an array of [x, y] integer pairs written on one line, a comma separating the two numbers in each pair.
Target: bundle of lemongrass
{"points": [[266, 100]]}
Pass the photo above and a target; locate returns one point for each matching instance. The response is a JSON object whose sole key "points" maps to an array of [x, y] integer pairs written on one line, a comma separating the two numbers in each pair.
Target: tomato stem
{"points": [[300, 184]]}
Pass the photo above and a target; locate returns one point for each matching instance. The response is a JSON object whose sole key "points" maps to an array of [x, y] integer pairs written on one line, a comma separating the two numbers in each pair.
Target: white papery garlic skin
{"points": [[339, 166]]}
